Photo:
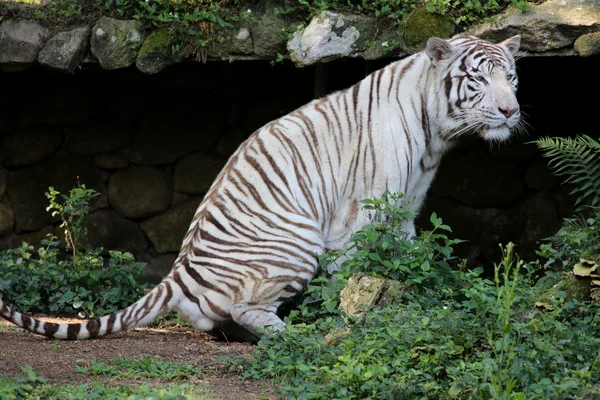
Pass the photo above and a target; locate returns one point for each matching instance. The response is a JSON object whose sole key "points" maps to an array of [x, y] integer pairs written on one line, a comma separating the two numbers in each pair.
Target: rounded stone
{"points": [[195, 172], [97, 137], [140, 192], [332, 35], [20, 149], [65, 51], [166, 231], [157, 266], [112, 41], [588, 45], [20, 43], [156, 53], [267, 37]]}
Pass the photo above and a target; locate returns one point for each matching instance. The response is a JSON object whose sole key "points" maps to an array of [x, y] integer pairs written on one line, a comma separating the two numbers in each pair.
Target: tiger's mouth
{"points": [[496, 133]]}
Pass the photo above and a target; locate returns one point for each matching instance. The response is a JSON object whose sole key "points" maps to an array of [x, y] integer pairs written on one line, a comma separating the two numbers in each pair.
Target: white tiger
{"points": [[292, 190]]}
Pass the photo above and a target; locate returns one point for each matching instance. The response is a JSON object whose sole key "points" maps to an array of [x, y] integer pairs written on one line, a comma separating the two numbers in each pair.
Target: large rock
{"points": [[7, 218], [166, 231], [195, 172], [96, 137], [20, 43], [25, 148], [167, 131], [156, 53], [331, 35], [267, 35], [140, 192], [551, 26], [113, 40], [106, 229], [157, 266], [588, 45], [66, 50], [421, 25], [236, 41], [28, 188]]}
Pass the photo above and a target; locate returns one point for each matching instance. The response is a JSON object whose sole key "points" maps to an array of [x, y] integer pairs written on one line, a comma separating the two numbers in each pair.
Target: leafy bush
{"points": [[383, 249], [455, 335], [84, 283]]}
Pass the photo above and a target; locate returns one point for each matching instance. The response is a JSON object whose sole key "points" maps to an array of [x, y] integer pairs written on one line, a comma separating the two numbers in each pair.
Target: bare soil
{"points": [[56, 360]]}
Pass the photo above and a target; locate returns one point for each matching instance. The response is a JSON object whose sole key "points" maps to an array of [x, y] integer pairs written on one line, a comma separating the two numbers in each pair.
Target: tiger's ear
{"points": [[438, 49], [512, 44]]}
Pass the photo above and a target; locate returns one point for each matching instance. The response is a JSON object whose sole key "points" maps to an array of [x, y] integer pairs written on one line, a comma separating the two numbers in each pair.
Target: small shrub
{"points": [[84, 283], [71, 209]]}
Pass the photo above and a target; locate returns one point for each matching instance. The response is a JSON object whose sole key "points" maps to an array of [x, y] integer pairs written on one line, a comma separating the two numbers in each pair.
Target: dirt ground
{"points": [[56, 360]]}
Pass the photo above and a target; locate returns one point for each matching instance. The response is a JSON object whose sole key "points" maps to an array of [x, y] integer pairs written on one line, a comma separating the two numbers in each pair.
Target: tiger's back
{"points": [[292, 190]]}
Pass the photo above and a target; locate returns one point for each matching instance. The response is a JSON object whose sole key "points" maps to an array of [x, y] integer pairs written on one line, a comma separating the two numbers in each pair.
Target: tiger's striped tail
{"points": [[139, 313]]}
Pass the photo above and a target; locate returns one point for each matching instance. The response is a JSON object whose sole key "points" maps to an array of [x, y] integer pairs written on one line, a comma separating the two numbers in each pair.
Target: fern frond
{"points": [[579, 160]]}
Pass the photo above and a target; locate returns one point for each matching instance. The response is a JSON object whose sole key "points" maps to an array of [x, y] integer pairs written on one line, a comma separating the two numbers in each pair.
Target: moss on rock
{"points": [[421, 25], [588, 45], [155, 53]]}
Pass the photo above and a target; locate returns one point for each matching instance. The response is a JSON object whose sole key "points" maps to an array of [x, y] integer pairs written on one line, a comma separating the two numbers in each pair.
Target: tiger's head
{"points": [[480, 84]]}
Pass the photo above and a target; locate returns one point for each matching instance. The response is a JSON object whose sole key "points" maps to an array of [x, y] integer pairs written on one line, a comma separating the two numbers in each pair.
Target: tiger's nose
{"points": [[507, 112]]}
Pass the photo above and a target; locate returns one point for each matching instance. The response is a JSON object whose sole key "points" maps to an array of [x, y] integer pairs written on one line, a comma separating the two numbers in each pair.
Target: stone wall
{"points": [[152, 144]]}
